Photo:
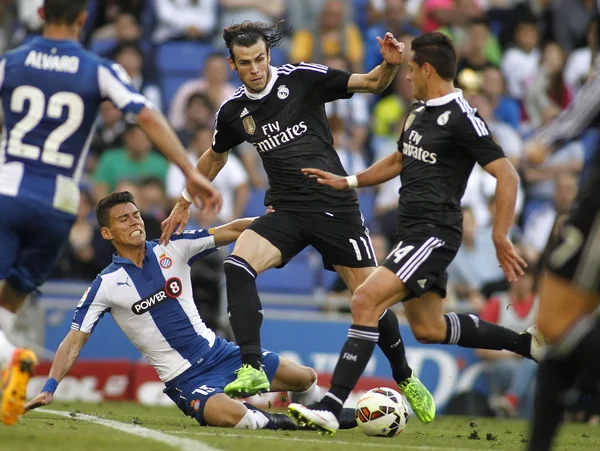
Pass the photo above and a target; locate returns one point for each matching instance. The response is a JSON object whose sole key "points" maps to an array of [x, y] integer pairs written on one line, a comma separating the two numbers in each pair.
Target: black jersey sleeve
{"points": [[473, 137], [324, 83], [224, 138]]}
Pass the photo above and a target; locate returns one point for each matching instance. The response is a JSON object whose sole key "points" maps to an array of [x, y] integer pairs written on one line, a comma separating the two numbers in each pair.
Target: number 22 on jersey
{"points": [[53, 109]]}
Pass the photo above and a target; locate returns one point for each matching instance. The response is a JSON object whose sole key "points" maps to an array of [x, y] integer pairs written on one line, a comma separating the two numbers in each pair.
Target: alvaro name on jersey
{"points": [[51, 91], [154, 306], [441, 141], [287, 125]]}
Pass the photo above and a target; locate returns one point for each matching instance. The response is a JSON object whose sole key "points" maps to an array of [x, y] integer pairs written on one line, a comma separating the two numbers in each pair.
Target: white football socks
{"points": [[6, 350], [7, 319], [253, 420], [310, 396]]}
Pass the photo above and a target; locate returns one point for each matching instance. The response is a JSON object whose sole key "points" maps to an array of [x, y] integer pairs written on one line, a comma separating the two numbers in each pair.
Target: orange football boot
{"points": [[14, 384]]}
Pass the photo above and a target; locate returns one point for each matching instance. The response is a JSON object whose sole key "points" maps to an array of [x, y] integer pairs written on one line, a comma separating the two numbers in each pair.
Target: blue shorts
{"points": [[31, 239], [191, 389]]}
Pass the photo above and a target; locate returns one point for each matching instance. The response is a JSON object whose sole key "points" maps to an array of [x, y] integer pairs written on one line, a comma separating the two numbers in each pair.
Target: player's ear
{"points": [[231, 62], [269, 56], [106, 233], [82, 19], [41, 13]]}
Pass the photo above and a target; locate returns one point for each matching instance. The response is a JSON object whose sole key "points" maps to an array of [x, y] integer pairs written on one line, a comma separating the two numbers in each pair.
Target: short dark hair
{"points": [[104, 206], [247, 33], [202, 97], [436, 49], [64, 11], [125, 46]]}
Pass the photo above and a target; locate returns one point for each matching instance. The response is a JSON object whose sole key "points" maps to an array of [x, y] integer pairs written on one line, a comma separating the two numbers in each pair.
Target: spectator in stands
{"points": [[305, 14], [481, 49], [570, 20], [541, 221], [214, 83], [199, 113], [185, 19], [129, 55], [331, 36], [27, 15], [435, 14], [547, 93], [152, 202], [352, 158], [133, 162], [232, 182], [474, 266], [579, 62], [110, 129], [506, 109], [354, 112], [521, 61], [106, 21], [511, 377], [393, 19]]}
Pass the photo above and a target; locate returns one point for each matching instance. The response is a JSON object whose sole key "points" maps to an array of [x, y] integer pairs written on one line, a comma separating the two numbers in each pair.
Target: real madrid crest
{"points": [[283, 92], [443, 118], [249, 125], [409, 121]]}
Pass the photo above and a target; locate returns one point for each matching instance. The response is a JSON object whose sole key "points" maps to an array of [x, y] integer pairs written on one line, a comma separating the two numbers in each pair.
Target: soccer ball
{"points": [[382, 412]]}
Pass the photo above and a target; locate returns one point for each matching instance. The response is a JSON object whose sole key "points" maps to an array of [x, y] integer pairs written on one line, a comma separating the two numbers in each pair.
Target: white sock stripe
{"points": [[335, 398], [241, 265], [416, 258], [454, 328], [408, 263], [374, 338], [424, 257], [362, 332]]}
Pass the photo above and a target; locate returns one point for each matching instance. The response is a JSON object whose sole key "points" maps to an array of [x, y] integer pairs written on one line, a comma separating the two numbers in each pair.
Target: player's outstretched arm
{"points": [[65, 358], [155, 125], [507, 185], [380, 172], [209, 165], [381, 76], [231, 231]]}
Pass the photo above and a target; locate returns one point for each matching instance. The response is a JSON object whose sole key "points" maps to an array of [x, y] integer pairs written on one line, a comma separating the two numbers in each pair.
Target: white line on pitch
{"points": [[323, 441], [183, 444]]}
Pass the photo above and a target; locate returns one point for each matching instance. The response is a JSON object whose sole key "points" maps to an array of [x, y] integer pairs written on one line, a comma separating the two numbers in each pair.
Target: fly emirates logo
{"points": [[412, 149], [277, 137]]}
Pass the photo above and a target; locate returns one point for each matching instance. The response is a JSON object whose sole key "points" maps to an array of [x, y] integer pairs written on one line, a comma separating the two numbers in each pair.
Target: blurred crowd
{"points": [[520, 64]]}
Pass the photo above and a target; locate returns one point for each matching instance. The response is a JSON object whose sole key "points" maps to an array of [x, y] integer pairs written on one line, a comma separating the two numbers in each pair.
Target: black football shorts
{"points": [[421, 256], [341, 238]]}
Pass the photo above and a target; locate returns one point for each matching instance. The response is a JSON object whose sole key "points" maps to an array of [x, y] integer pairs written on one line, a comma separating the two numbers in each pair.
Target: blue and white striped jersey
{"points": [[51, 91], [154, 305]]}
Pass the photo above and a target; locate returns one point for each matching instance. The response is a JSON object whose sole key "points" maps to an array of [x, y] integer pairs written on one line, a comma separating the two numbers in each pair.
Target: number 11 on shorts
{"points": [[354, 244]]}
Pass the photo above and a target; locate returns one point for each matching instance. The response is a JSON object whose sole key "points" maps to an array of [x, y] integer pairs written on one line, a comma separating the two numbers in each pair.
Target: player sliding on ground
{"points": [[442, 139], [148, 291], [280, 110], [51, 91]]}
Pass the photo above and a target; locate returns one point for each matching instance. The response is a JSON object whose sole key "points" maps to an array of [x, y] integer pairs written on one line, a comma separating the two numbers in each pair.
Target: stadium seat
{"points": [[297, 277], [169, 86], [182, 58], [102, 46], [255, 205]]}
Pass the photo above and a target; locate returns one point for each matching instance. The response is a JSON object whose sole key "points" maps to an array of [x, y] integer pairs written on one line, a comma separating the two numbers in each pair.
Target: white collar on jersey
{"points": [[439, 101], [267, 89]]}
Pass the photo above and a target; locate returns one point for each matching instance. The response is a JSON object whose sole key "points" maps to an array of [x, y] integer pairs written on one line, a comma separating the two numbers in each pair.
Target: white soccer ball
{"points": [[382, 412]]}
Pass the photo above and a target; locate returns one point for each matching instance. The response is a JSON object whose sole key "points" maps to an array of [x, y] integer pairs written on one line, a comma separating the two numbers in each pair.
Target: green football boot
{"points": [[249, 381], [419, 398]]}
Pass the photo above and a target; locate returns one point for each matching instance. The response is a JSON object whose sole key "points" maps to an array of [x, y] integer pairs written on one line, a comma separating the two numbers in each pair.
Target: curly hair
{"points": [[247, 33]]}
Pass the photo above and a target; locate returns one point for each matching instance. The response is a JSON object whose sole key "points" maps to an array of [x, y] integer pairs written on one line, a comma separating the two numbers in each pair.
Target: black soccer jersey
{"points": [[441, 141], [287, 125]]}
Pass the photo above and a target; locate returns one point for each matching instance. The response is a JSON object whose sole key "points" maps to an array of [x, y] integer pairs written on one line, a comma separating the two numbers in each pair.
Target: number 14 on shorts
{"points": [[399, 252]]}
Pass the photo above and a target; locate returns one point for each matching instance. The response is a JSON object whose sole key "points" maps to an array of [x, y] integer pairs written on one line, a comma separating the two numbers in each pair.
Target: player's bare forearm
{"points": [[155, 125], [211, 163], [375, 81], [507, 186], [381, 171], [228, 233], [67, 354]]}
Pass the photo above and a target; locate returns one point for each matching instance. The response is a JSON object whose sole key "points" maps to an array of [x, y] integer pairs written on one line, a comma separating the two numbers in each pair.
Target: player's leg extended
{"points": [[380, 291], [566, 319], [300, 381], [251, 255]]}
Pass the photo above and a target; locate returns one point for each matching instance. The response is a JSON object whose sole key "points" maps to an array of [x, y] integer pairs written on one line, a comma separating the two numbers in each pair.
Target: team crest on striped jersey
{"points": [[249, 125], [409, 121], [443, 118], [165, 262]]}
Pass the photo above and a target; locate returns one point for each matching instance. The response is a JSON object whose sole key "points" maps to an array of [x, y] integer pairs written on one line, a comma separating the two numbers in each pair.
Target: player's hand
{"points": [[270, 209], [391, 50], [177, 220], [326, 178], [510, 262], [43, 399], [535, 152]]}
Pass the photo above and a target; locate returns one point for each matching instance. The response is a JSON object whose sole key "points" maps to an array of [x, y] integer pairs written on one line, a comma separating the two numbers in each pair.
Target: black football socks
{"points": [[353, 360], [244, 308], [469, 331], [392, 346]]}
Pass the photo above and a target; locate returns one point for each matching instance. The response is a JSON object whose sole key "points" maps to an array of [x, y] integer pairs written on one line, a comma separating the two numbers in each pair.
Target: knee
{"points": [[364, 307], [311, 378], [427, 332], [552, 328]]}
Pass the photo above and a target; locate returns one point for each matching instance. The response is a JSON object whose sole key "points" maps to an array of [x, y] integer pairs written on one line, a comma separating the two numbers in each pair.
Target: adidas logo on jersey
{"points": [[244, 112]]}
